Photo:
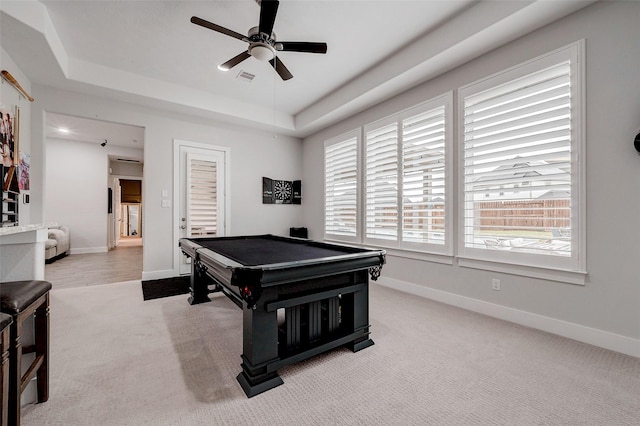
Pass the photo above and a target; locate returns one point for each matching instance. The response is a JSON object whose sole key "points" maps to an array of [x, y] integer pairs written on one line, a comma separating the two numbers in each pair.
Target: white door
{"points": [[201, 195]]}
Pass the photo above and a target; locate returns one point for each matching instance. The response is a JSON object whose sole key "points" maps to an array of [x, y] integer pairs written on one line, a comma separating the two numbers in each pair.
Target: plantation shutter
{"points": [[423, 177], [202, 196], [381, 172], [517, 164], [341, 188]]}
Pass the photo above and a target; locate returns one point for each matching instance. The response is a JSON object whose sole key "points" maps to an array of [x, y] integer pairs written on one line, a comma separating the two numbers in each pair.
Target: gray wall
{"points": [[606, 310]]}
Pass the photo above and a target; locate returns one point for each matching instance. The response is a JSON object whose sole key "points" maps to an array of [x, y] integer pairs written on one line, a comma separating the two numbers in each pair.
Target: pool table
{"points": [[299, 297]]}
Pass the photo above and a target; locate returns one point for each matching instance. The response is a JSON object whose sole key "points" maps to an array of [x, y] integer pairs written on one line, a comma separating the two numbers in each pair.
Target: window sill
{"points": [[560, 275], [420, 255], [550, 274], [403, 253]]}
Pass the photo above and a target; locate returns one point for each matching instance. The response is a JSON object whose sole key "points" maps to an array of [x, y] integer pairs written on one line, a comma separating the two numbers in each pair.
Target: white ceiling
{"points": [[148, 52], [60, 126]]}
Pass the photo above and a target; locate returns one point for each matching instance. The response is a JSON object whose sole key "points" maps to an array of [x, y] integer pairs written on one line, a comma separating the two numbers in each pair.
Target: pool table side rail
{"points": [[192, 250], [229, 263]]}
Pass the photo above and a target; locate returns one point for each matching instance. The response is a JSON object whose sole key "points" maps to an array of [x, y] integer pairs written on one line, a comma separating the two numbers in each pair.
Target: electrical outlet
{"points": [[495, 284]]}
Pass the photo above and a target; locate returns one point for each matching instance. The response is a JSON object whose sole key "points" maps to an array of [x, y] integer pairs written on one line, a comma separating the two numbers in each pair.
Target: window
{"points": [[406, 178], [341, 187], [424, 170], [381, 176], [521, 187], [521, 202]]}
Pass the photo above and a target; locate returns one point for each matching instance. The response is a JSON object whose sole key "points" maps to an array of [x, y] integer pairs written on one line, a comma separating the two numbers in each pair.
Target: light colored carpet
{"points": [[116, 360]]}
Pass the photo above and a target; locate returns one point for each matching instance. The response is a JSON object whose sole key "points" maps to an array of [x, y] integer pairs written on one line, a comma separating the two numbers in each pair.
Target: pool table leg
{"points": [[253, 386], [355, 315], [259, 347], [198, 286]]}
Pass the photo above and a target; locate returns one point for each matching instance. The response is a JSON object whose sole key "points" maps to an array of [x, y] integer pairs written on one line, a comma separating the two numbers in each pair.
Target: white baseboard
{"points": [[86, 250], [158, 275], [592, 336]]}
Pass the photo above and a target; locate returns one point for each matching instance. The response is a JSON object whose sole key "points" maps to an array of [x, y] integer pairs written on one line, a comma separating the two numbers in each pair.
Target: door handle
{"points": [[183, 226]]}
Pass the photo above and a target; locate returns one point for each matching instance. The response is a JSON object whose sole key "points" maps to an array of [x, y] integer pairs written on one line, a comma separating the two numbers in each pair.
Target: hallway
{"points": [[124, 263]]}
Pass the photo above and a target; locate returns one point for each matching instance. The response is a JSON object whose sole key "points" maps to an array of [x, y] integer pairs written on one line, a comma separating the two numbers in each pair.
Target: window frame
{"points": [[567, 269], [357, 134], [376, 125], [446, 249]]}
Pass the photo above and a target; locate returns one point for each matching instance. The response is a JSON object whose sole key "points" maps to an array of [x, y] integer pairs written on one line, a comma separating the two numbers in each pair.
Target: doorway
{"points": [[126, 227], [130, 227], [105, 150], [200, 205]]}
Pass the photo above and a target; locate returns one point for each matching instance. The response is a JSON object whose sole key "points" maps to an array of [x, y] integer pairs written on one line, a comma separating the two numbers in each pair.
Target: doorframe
{"points": [[177, 145], [138, 222], [112, 234]]}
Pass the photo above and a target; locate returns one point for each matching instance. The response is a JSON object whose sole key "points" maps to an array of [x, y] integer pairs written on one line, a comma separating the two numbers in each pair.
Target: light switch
{"points": [[165, 193], [165, 203]]}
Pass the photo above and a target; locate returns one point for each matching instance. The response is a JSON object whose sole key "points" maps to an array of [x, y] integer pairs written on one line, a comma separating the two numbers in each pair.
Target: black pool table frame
{"points": [[292, 310]]}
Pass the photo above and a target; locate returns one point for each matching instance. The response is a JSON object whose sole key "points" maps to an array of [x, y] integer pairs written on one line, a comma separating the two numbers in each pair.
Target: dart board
{"points": [[282, 191]]}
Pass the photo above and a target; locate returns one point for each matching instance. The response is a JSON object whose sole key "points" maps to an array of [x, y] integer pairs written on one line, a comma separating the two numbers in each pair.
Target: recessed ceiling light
{"points": [[63, 130]]}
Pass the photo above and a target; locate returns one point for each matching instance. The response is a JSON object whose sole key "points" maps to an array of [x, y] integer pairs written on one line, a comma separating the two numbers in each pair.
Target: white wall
{"points": [[9, 98], [606, 310], [76, 183], [253, 154]]}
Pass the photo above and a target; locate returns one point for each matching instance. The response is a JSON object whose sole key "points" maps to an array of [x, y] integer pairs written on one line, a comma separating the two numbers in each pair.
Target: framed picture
{"points": [[23, 182], [9, 124]]}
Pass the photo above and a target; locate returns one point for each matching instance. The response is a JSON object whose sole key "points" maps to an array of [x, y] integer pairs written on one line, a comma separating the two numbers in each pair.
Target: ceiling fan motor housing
{"points": [[254, 35]]}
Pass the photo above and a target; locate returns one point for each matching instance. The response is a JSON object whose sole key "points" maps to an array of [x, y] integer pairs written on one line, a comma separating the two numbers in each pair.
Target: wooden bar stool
{"points": [[21, 299], [5, 322]]}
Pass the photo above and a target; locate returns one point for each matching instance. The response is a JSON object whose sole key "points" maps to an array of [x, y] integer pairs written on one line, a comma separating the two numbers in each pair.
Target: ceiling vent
{"points": [[126, 160], [245, 76]]}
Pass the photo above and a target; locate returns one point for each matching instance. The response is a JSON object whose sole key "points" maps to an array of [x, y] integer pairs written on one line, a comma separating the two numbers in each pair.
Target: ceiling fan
{"points": [[262, 40]]}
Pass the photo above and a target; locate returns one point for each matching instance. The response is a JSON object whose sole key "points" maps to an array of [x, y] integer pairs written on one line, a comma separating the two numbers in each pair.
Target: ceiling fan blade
{"points": [[218, 28], [277, 64], [234, 61], [301, 46], [268, 10]]}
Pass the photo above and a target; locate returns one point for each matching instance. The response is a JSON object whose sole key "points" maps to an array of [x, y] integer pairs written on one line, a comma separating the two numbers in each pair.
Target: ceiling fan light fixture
{"points": [[262, 52]]}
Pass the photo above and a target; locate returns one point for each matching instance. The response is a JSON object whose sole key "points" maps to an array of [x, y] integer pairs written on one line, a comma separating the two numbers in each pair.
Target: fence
{"points": [[524, 214]]}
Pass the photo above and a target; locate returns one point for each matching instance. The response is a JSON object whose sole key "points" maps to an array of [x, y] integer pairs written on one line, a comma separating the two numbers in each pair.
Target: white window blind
{"points": [[202, 197], [406, 180], [519, 160], [381, 172], [341, 188], [423, 177]]}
